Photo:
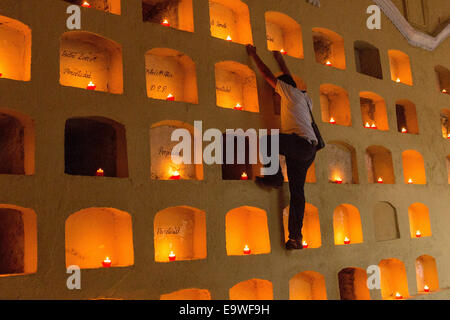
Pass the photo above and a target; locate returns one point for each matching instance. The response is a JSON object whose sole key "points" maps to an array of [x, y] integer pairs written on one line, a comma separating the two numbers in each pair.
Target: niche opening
{"points": [[16, 143], [329, 48], [368, 60], [419, 221], [242, 167], [380, 168], [385, 222], [400, 67], [254, 289], [111, 6], [180, 234], [413, 167], [443, 77], [335, 105], [91, 62], [353, 284], [426, 274], [170, 76], [342, 167], [95, 236], [15, 50], [230, 20], [187, 294], [406, 117], [95, 146], [347, 225], [311, 227], [18, 240], [284, 34], [247, 231], [445, 123], [176, 14], [236, 87], [161, 146], [373, 111], [394, 283], [307, 285]]}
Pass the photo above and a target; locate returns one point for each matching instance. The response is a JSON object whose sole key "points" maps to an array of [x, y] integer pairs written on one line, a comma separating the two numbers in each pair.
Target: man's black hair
{"points": [[287, 79]]}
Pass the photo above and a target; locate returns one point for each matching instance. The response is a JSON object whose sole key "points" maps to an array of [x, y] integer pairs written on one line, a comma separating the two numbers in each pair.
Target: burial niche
{"points": [[284, 34], [353, 284], [380, 168], [445, 123], [394, 283], [99, 237], [311, 227], [180, 234], [443, 78], [238, 166], [187, 294], [236, 87], [385, 222], [368, 60], [307, 285], [419, 221], [400, 67], [406, 117], [342, 167], [413, 167], [176, 14], [254, 289], [91, 62], [335, 105], [329, 48], [426, 274], [15, 50], [373, 111], [347, 225]]}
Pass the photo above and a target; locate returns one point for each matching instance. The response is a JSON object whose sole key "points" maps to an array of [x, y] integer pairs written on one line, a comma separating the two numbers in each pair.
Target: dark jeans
{"points": [[300, 155]]}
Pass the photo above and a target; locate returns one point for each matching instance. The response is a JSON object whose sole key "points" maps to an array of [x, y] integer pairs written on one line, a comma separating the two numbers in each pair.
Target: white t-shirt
{"points": [[295, 116]]}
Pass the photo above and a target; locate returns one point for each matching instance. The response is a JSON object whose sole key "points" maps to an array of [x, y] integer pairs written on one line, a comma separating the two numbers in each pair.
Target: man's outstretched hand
{"points": [[251, 50]]}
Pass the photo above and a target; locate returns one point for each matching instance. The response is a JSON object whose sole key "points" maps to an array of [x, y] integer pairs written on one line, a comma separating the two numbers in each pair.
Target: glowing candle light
{"points": [[328, 63], [448, 136], [338, 180], [410, 181], [247, 250], [106, 263], [398, 296], [1, 74], [91, 86], [172, 256], [346, 240], [86, 4], [175, 175], [380, 180], [426, 288], [283, 51], [238, 107], [229, 38], [404, 130], [398, 80], [367, 125], [100, 172], [444, 90], [305, 244], [244, 176], [332, 120], [373, 126], [418, 234], [165, 23], [170, 97]]}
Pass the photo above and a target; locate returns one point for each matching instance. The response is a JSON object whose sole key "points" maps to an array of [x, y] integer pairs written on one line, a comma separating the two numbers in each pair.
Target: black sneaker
{"points": [[294, 244], [269, 182]]}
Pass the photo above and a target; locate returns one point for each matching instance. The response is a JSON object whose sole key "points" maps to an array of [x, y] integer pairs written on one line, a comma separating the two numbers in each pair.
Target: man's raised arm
{"points": [[265, 71], [279, 58]]}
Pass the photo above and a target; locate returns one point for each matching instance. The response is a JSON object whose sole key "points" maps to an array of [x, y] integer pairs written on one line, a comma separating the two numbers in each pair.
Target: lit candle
{"points": [[418, 234], [448, 136], [305, 244], [332, 120], [444, 90], [410, 181], [106, 263], [229, 38], [426, 288], [404, 130], [86, 4], [398, 296], [1, 74], [373, 126], [338, 180], [91, 86], [172, 256], [100, 172], [165, 23], [244, 176], [346, 240], [380, 180], [367, 125], [398, 80], [170, 97], [175, 175], [238, 107], [328, 63], [247, 250], [283, 51]]}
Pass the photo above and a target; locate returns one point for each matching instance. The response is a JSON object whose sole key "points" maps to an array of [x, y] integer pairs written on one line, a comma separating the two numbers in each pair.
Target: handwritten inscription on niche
{"points": [[169, 230]]}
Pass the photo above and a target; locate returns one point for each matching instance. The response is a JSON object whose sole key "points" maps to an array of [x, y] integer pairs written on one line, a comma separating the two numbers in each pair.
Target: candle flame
{"points": [[244, 175], [283, 51], [398, 80], [229, 38], [418, 234], [444, 90], [367, 125], [373, 126], [380, 180], [398, 295], [165, 22], [107, 260], [410, 181], [238, 106], [426, 288], [404, 130], [332, 120], [328, 63], [86, 4], [304, 243], [171, 254]]}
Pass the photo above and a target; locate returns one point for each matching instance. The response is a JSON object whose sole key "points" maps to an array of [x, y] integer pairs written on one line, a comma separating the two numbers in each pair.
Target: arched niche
{"points": [[161, 147], [353, 284], [187, 294], [311, 226], [443, 78], [301, 84], [342, 167], [242, 166], [284, 34], [95, 144], [310, 175], [236, 87], [400, 67], [87, 58], [17, 143], [171, 76], [247, 226], [368, 60], [15, 50], [254, 289], [380, 168], [426, 274], [180, 231], [385, 222], [329, 48], [111, 6], [335, 105], [445, 123], [373, 111], [176, 14], [413, 167], [230, 20], [419, 221], [18, 240], [394, 283], [95, 234], [307, 285], [406, 117], [347, 225]]}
